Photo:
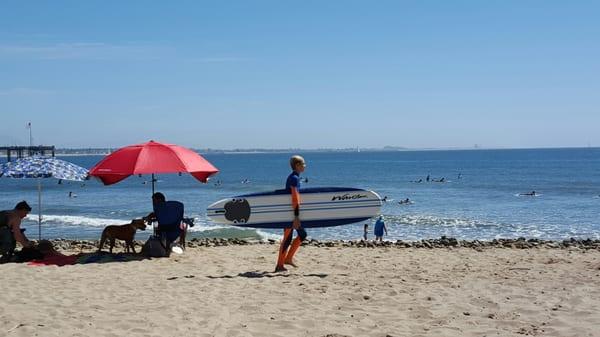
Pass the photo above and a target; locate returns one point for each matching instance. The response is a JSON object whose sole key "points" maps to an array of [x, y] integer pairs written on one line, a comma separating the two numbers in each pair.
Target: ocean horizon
{"points": [[84, 151]]}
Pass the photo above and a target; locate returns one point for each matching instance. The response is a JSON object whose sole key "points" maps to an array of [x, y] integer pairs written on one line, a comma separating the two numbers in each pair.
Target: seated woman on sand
{"points": [[11, 234]]}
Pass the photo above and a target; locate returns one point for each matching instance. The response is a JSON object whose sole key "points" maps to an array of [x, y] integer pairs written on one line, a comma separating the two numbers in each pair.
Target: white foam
{"points": [[204, 225], [73, 220], [205, 228], [266, 236], [431, 220]]}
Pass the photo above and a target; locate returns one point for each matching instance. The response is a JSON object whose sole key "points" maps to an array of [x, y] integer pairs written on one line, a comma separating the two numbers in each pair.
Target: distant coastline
{"points": [[66, 152], [105, 151]]}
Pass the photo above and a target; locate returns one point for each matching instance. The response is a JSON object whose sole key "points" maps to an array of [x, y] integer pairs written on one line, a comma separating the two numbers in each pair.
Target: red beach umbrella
{"points": [[151, 158]]}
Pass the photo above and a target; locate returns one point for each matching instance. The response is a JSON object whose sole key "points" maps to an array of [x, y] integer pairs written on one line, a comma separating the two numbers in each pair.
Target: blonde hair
{"points": [[295, 160]]}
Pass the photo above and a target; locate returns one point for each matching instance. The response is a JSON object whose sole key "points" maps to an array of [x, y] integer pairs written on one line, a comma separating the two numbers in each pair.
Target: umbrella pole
{"points": [[152, 183], [153, 226], [39, 209]]}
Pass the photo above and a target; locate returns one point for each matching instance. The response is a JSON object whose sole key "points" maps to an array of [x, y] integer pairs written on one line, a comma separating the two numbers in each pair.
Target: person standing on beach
{"points": [[380, 228], [366, 232], [292, 185]]}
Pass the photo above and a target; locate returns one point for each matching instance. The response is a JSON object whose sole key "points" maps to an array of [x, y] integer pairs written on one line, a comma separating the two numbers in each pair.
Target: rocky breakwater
{"points": [[442, 242]]}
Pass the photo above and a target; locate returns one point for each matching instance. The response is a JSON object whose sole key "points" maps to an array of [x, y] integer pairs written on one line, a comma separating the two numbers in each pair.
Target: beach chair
{"points": [[171, 226], [166, 229], [169, 216]]}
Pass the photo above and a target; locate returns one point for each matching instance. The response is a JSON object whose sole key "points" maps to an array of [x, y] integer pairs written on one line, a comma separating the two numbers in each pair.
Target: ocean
{"points": [[479, 197]]}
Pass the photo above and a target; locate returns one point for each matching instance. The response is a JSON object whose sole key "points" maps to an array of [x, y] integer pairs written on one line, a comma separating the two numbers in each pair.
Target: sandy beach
{"points": [[336, 291]]}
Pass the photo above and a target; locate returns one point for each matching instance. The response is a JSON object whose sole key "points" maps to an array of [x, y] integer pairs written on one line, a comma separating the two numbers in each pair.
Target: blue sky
{"points": [[310, 74]]}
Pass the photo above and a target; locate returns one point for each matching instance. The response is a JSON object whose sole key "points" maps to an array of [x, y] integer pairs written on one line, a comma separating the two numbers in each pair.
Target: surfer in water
{"points": [[292, 185], [529, 194], [405, 201]]}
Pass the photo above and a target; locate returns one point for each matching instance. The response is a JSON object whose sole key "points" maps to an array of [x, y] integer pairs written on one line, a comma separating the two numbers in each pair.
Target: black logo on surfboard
{"points": [[237, 210], [348, 196]]}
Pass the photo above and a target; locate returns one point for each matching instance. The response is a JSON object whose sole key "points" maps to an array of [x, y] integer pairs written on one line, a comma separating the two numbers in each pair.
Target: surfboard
{"points": [[319, 207]]}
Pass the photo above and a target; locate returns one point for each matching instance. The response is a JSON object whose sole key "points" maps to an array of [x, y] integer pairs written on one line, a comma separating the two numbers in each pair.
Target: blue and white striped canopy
{"points": [[43, 167]]}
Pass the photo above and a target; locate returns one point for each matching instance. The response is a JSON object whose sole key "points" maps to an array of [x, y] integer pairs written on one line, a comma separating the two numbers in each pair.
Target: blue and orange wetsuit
{"points": [[292, 185]]}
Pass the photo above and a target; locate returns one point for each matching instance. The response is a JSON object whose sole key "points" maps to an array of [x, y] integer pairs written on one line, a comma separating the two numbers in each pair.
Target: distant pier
{"points": [[26, 151]]}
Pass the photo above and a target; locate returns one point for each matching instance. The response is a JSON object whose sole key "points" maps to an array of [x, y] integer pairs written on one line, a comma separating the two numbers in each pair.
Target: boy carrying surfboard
{"points": [[292, 185]]}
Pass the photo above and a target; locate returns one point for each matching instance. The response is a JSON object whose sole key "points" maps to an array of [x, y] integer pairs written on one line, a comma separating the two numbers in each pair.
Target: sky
{"points": [[301, 74]]}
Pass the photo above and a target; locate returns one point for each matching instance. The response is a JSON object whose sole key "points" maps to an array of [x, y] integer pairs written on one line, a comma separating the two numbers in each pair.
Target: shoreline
{"points": [[442, 242]]}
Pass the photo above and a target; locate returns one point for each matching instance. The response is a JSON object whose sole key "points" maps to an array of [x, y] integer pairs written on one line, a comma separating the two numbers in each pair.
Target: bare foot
{"points": [[291, 263], [280, 269]]}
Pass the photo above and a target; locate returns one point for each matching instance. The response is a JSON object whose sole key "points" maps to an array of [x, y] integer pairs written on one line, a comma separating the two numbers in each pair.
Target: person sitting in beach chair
{"points": [[168, 215]]}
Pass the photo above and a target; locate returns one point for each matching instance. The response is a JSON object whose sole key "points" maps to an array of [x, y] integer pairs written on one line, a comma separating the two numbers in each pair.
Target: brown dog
{"points": [[123, 232]]}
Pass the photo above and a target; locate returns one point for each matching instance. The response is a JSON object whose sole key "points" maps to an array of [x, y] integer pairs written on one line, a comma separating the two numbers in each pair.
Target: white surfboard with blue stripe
{"points": [[320, 207]]}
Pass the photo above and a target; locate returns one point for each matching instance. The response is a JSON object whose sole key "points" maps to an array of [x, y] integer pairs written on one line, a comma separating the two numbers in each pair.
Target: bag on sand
{"points": [[29, 254], [156, 246]]}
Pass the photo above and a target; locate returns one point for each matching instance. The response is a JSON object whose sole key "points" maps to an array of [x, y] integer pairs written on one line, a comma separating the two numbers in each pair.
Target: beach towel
{"points": [[58, 259]]}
